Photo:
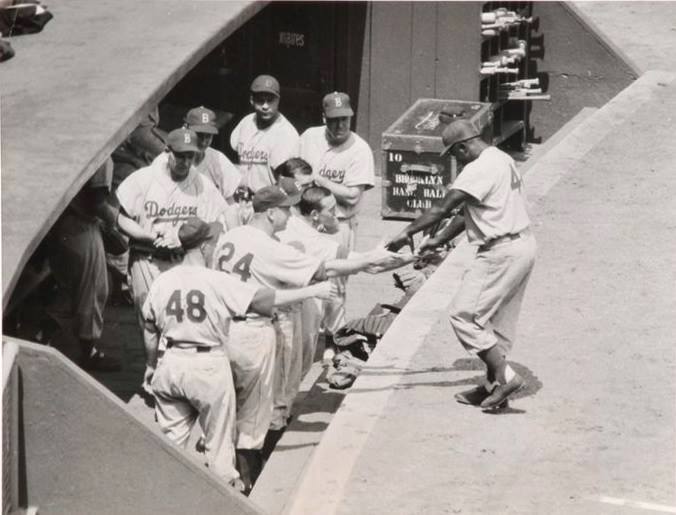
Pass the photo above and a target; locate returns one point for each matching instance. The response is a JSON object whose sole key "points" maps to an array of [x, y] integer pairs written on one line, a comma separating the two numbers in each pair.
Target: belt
{"points": [[500, 239], [191, 347]]}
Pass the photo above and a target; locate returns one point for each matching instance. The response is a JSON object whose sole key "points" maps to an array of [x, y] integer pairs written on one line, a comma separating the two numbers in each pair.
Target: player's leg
{"points": [[209, 387], [311, 314], [505, 319], [174, 414], [295, 371], [282, 370], [251, 350]]}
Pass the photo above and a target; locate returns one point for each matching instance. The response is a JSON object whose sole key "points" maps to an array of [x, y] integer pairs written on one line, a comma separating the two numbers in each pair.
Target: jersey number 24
{"points": [[242, 266]]}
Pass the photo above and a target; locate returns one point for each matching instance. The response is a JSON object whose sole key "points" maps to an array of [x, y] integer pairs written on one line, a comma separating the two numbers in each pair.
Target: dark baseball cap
{"points": [[276, 196], [265, 84], [196, 231], [182, 140], [337, 105], [201, 119], [458, 131]]}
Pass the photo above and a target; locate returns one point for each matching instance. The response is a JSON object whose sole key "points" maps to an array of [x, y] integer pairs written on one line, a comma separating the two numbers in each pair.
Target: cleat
{"points": [[502, 392], [474, 396]]}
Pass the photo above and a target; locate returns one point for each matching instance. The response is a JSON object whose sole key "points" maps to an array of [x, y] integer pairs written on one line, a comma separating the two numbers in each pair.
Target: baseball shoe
{"points": [[476, 395], [99, 362], [502, 392]]}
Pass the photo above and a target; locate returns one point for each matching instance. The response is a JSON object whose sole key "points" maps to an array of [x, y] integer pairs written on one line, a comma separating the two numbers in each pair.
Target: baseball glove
{"points": [[114, 242]]}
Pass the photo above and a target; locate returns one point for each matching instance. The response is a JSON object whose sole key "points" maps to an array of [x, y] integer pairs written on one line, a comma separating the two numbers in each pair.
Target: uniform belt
{"points": [[500, 239], [191, 346]]}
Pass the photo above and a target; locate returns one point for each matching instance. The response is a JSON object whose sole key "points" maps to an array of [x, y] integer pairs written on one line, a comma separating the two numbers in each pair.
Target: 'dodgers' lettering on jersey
{"points": [[172, 213], [334, 175], [252, 155]]}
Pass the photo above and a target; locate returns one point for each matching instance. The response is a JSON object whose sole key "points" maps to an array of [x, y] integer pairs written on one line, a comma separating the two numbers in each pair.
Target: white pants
{"points": [[194, 386], [251, 348], [485, 310], [288, 364]]}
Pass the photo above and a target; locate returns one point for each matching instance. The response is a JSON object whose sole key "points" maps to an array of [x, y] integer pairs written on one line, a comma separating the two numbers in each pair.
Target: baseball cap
{"points": [[195, 231], [265, 84], [201, 119], [458, 131], [274, 196], [182, 140], [291, 188], [336, 105]]}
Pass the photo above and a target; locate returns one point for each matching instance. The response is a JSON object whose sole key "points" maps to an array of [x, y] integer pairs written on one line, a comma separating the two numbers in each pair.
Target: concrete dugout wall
{"points": [[78, 450]]}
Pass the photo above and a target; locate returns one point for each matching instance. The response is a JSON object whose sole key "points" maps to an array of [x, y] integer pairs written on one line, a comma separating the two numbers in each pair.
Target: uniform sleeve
{"points": [[234, 293], [230, 177], [306, 149], [215, 204], [476, 179], [285, 147], [361, 171], [130, 195], [234, 135], [288, 265], [148, 310]]}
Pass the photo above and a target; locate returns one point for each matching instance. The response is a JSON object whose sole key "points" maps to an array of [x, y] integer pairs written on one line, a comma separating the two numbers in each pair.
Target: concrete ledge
{"points": [[594, 29]]}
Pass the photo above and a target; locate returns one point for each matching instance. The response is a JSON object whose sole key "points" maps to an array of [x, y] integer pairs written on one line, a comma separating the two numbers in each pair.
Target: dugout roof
{"points": [[73, 92]]}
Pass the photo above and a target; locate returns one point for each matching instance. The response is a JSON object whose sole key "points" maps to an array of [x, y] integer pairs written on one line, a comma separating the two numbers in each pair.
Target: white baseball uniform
{"points": [[221, 171], [251, 255], [485, 309], [349, 164], [153, 199], [300, 234], [191, 309], [262, 150]]}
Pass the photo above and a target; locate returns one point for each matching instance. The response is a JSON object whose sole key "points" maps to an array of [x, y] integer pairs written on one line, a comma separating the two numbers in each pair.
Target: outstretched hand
{"points": [[399, 241], [326, 290]]}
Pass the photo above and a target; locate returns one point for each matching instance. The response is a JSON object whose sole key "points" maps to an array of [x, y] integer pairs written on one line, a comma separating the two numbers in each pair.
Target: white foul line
{"points": [[638, 504]]}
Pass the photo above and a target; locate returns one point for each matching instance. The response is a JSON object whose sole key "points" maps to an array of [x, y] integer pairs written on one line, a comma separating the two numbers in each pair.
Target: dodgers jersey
{"points": [[260, 151], [153, 199], [495, 182], [301, 234], [252, 256], [217, 168], [350, 163], [193, 304]]}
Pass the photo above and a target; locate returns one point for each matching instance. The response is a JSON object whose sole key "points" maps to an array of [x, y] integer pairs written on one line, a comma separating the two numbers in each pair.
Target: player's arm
{"points": [[132, 229], [265, 299], [453, 199], [350, 195], [452, 229]]}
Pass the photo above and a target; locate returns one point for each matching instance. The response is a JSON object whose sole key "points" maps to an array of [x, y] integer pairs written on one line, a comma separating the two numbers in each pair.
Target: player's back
{"points": [[195, 304], [251, 255]]}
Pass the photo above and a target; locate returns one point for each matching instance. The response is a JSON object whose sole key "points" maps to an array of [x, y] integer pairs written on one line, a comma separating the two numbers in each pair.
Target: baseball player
{"points": [[78, 261], [191, 308], [264, 138], [341, 161], [485, 309], [254, 255], [209, 161], [312, 222], [159, 198]]}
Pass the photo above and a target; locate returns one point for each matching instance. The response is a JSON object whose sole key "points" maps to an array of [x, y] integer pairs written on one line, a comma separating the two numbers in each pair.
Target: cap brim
{"points": [[183, 148], [291, 200], [446, 150], [205, 129], [339, 113], [265, 90]]}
